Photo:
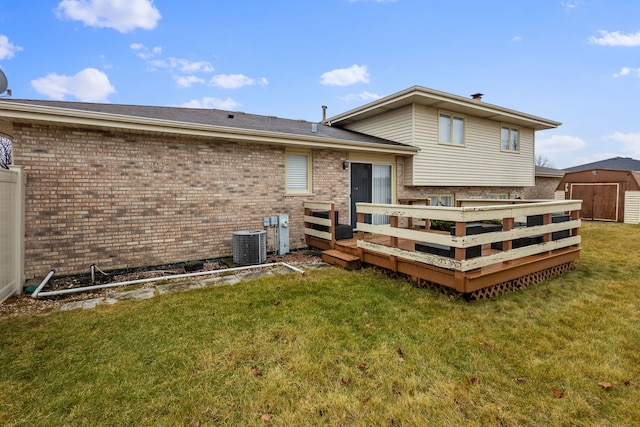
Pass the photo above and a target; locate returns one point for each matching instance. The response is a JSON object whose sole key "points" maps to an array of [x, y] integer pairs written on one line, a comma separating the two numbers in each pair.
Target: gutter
{"points": [[39, 113]]}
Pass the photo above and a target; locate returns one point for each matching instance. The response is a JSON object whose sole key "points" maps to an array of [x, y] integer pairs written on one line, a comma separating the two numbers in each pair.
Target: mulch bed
{"points": [[25, 304]]}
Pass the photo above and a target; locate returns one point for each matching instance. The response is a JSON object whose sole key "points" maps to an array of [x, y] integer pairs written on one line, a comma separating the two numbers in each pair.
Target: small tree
{"points": [[5, 152], [543, 161]]}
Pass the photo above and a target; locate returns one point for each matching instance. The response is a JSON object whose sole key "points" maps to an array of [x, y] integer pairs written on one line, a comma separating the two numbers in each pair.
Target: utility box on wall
{"points": [[283, 234]]}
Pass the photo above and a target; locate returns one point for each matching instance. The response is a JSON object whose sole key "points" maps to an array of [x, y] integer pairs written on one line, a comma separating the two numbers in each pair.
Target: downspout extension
{"points": [[43, 283], [153, 279]]}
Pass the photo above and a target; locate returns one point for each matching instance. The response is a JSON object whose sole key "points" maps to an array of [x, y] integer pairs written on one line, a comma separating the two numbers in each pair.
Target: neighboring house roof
{"points": [[459, 104], [615, 163], [549, 172], [220, 124]]}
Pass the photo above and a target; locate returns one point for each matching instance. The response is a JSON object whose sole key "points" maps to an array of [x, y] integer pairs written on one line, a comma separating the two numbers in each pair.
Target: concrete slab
{"points": [[85, 304], [137, 294]]}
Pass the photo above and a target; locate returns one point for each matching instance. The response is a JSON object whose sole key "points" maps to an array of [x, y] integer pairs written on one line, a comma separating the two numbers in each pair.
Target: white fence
{"points": [[12, 196]]}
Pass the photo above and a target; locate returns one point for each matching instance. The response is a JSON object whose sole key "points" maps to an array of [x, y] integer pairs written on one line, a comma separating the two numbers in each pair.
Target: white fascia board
{"points": [[424, 96], [44, 114]]}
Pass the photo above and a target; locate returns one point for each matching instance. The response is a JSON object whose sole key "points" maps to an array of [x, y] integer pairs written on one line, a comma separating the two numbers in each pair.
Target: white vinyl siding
{"points": [[632, 207], [299, 172], [481, 163], [396, 125]]}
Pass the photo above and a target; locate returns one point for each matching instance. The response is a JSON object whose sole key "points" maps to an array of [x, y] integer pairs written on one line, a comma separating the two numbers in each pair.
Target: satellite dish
{"points": [[3, 82]]}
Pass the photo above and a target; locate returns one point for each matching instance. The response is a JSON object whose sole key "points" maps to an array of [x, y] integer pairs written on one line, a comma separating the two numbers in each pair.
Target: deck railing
{"points": [[505, 240], [326, 229]]}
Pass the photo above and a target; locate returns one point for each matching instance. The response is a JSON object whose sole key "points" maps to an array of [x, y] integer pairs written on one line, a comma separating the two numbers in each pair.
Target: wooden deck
{"points": [[500, 265]]}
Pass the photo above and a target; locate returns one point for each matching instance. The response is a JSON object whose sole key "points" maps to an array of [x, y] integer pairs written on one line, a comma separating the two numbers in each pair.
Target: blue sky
{"points": [[573, 61]]}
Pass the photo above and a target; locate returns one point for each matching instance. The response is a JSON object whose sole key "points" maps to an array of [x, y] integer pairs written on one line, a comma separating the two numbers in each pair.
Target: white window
{"points": [[510, 139], [500, 196], [440, 200], [451, 128], [299, 172]]}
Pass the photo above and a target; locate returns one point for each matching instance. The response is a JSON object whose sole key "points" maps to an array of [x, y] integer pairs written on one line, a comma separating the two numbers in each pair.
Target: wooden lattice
{"points": [[521, 282], [491, 291]]}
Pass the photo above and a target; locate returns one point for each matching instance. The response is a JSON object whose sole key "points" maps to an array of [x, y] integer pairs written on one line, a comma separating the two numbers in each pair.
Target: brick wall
{"points": [[544, 189], [122, 199]]}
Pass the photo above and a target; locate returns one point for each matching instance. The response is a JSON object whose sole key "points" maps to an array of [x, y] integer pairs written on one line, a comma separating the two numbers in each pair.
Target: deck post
{"points": [[507, 225], [393, 241], [332, 225], [575, 215], [360, 234], [546, 220], [360, 220], [461, 231], [307, 212]]}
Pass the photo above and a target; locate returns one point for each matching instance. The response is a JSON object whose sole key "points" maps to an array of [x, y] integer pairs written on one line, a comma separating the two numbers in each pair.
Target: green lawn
{"points": [[342, 348]]}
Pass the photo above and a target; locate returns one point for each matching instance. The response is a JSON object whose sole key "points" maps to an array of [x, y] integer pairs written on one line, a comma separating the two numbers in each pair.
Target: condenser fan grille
{"points": [[249, 247]]}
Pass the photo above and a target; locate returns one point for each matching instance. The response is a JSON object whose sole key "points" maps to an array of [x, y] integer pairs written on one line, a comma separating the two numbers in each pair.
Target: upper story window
{"points": [[451, 128], [299, 172], [510, 139]]}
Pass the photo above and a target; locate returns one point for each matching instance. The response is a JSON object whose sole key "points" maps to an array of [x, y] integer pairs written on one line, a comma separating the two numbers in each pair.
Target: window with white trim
{"points": [[500, 196], [298, 171], [440, 199], [451, 128], [510, 139]]}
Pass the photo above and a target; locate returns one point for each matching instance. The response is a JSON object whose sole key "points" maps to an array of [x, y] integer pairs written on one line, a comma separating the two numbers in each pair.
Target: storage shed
{"points": [[606, 194]]}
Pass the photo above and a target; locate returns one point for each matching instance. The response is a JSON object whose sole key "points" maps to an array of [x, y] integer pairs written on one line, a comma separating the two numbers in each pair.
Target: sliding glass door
{"points": [[370, 183]]}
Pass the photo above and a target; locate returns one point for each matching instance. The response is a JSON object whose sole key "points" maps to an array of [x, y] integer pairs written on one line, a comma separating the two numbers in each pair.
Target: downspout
{"points": [[37, 293], [44, 282]]}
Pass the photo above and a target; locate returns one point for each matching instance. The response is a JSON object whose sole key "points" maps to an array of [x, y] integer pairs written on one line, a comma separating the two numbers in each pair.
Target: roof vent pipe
{"points": [[324, 113], [477, 96]]}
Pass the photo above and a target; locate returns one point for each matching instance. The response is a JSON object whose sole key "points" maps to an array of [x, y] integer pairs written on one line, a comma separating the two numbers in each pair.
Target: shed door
{"points": [[600, 201]]}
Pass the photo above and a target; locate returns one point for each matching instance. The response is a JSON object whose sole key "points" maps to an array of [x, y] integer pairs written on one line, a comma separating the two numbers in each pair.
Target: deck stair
{"points": [[341, 259]]}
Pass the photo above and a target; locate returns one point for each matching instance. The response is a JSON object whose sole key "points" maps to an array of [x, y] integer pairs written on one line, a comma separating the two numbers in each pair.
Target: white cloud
{"points": [[187, 81], [625, 71], [89, 85], [184, 65], [375, 1], [516, 39], [7, 49], [234, 81], [121, 15], [558, 144], [616, 38], [208, 102], [571, 4], [345, 76], [630, 142], [362, 96], [144, 52], [183, 71]]}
